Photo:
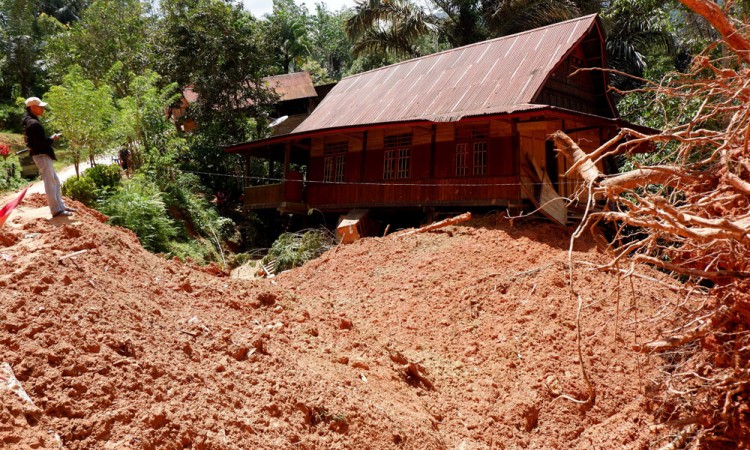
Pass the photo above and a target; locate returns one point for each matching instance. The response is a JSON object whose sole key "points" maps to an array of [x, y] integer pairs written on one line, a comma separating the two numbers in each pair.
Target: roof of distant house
{"points": [[502, 75], [291, 86]]}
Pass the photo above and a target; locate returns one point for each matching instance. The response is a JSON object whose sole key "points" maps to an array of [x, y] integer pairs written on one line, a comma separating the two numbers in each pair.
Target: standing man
{"points": [[40, 149], [125, 160]]}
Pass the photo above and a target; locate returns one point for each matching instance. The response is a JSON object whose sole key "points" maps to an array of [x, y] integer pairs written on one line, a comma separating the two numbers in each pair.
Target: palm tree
{"points": [[506, 17], [394, 27], [633, 31], [465, 21], [388, 27]]}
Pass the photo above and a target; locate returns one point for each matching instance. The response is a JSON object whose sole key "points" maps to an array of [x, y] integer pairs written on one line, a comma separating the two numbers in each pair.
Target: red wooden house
{"points": [[464, 127], [297, 98]]}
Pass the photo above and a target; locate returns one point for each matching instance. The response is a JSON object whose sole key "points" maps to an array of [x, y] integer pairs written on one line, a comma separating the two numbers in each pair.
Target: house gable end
{"points": [[585, 91]]}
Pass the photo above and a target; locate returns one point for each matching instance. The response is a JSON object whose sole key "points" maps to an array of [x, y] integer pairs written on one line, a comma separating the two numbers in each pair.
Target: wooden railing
{"points": [[275, 195], [264, 196]]}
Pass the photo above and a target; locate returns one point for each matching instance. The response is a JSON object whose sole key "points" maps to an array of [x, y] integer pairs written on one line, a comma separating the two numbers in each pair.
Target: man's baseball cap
{"points": [[35, 101]]}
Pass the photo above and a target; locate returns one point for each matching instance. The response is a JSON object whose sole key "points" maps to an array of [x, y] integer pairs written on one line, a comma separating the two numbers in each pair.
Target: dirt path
{"points": [[38, 188]]}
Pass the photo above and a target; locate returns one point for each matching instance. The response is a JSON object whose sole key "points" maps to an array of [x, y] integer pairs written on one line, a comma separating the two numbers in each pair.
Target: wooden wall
{"points": [[533, 141], [432, 179]]}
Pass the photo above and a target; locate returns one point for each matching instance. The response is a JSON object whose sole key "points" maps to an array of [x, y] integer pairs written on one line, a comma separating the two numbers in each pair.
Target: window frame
{"points": [[471, 150], [397, 156], [334, 161]]}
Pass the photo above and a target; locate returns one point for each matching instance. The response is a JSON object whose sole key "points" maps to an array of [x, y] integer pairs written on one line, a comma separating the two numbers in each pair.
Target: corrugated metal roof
{"points": [[491, 77], [292, 86]]}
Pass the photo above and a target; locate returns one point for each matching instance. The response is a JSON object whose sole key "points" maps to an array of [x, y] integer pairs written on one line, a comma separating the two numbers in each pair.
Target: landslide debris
{"points": [[456, 339]]}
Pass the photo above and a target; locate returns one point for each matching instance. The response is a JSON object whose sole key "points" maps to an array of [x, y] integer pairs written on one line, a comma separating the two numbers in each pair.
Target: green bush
{"points": [[138, 206], [294, 249], [184, 195], [198, 251], [81, 189], [104, 177], [10, 176]]}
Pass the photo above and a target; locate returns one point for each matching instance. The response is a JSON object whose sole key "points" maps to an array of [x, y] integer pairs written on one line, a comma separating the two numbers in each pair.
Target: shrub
{"points": [[104, 177], [294, 249], [10, 176], [199, 251], [138, 206], [81, 189]]}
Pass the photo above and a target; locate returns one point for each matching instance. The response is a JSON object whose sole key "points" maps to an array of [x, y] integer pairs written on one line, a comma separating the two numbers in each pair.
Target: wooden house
{"points": [[298, 97], [464, 127]]}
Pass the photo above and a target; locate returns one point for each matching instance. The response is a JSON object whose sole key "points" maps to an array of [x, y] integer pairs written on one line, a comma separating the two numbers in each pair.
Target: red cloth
{"points": [[7, 209]]}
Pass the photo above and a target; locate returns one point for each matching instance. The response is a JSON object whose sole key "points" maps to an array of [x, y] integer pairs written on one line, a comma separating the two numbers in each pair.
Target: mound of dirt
{"points": [[464, 338]]}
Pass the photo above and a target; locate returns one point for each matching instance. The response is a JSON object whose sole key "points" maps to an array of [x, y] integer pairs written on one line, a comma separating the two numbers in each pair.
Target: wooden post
{"points": [[516, 152], [362, 165], [433, 150], [284, 174]]}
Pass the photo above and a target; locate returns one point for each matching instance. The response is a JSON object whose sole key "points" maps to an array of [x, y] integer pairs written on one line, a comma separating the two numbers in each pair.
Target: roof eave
{"points": [[537, 109]]}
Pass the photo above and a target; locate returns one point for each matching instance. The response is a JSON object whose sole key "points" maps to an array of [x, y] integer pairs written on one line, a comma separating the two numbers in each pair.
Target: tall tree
{"points": [[83, 112], [22, 36], [286, 30], [506, 17], [635, 28], [109, 31], [330, 46], [214, 47], [388, 27]]}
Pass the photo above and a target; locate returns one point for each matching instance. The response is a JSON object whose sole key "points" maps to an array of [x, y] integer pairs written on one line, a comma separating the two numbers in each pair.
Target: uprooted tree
{"points": [[690, 215]]}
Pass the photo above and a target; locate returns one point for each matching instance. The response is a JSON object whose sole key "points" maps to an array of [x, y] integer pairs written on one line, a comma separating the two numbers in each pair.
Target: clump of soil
{"points": [[460, 339]]}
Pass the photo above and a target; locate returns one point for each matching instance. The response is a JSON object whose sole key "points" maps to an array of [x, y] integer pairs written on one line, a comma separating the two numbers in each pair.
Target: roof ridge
{"points": [[533, 30]]}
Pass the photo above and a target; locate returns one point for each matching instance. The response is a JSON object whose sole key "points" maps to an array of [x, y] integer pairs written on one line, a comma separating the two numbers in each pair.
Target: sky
{"points": [[261, 7]]}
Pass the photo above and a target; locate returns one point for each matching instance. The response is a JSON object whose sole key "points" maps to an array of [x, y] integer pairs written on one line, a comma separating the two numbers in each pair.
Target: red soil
{"points": [[460, 339]]}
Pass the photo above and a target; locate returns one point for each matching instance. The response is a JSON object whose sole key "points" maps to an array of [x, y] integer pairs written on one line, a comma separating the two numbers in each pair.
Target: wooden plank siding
{"points": [[432, 180]]}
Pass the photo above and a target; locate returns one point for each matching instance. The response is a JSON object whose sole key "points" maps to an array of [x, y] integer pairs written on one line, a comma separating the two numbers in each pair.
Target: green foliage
{"points": [[10, 171], [23, 31], [96, 182], [214, 47], [330, 47], [198, 251], [139, 207], [83, 112], [82, 189], [10, 117], [286, 32], [294, 249], [110, 31], [388, 27], [104, 176], [183, 196], [637, 31]]}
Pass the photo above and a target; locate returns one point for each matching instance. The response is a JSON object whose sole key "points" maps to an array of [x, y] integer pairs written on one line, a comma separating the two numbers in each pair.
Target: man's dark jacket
{"points": [[36, 140]]}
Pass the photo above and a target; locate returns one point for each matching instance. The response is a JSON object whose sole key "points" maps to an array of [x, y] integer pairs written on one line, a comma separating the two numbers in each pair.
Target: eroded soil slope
{"points": [[464, 338]]}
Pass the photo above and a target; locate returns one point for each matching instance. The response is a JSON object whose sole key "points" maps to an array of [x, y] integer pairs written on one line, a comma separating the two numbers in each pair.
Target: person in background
{"points": [[125, 160], [40, 149]]}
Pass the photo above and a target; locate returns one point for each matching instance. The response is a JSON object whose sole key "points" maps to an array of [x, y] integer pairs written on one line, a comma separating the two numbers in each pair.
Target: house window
{"points": [[334, 161], [471, 150], [397, 157], [480, 158], [462, 158]]}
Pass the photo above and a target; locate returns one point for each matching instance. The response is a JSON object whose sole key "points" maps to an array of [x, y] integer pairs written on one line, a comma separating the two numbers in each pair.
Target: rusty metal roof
{"points": [[491, 77], [292, 86]]}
